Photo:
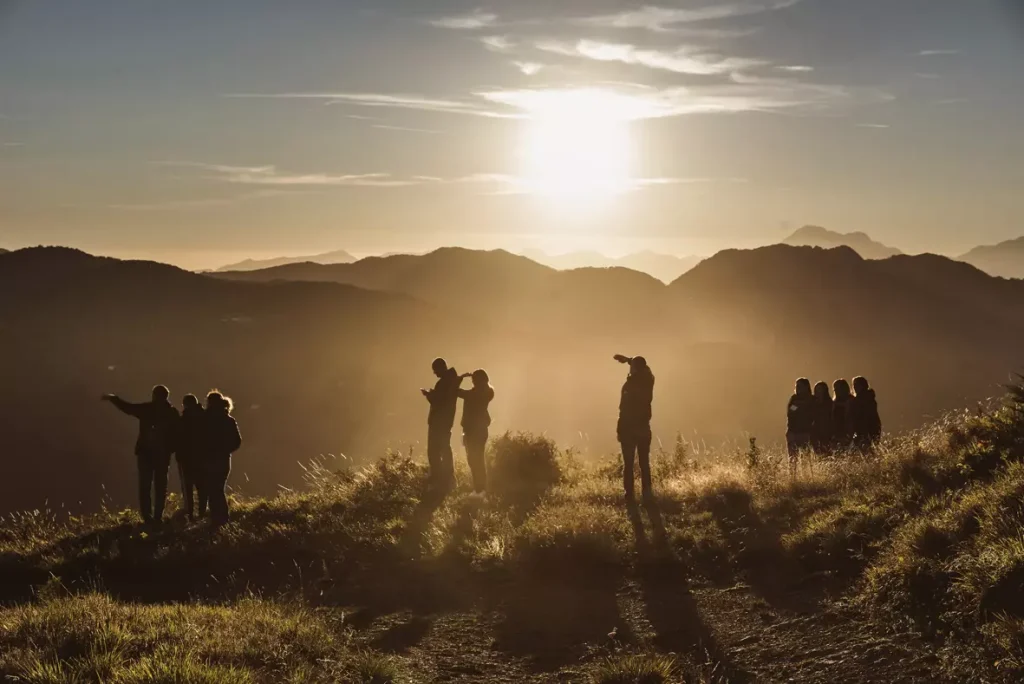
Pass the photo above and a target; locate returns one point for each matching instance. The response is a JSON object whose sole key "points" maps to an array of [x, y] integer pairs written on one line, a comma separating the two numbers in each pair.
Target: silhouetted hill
{"points": [[1005, 260], [664, 267], [336, 257], [335, 367], [816, 236]]}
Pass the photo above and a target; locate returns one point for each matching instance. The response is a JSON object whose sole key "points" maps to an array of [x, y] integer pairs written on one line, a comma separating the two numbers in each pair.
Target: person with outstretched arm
{"points": [[443, 398], [634, 426], [476, 420], [222, 439], [158, 424]]}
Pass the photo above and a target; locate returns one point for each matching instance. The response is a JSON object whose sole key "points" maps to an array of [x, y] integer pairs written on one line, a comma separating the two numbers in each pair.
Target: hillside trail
{"points": [[772, 624]]}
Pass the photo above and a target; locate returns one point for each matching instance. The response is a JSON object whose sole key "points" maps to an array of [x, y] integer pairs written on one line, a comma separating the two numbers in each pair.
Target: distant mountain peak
{"points": [[339, 256], [818, 236], [1005, 259]]}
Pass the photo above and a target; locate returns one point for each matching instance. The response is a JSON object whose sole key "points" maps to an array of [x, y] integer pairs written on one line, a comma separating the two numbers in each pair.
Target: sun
{"points": [[577, 147]]}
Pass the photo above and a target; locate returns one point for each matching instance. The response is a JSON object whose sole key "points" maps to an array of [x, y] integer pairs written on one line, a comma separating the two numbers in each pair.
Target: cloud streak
{"points": [[380, 100], [475, 20], [937, 53], [685, 60], [665, 19]]}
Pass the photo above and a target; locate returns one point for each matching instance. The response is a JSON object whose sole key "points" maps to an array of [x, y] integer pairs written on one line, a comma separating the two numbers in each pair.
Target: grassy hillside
{"points": [[902, 567]]}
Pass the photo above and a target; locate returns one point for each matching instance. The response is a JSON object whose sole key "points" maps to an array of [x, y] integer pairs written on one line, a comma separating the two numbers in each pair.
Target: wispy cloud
{"points": [[664, 19], [270, 176], [872, 125], [795, 68], [391, 101], [406, 129], [529, 68], [475, 20], [202, 203], [937, 53], [740, 94], [12, 144], [498, 43], [685, 60]]}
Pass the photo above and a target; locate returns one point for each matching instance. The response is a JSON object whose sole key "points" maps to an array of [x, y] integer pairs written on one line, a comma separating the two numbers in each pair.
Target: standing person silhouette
{"points": [[192, 456], [634, 427], [799, 421], [476, 420], [822, 432], [443, 399], [158, 423], [222, 439], [864, 419], [842, 424]]}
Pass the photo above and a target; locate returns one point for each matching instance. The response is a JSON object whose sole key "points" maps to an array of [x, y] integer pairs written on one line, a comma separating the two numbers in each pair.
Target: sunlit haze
{"points": [[203, 133]]}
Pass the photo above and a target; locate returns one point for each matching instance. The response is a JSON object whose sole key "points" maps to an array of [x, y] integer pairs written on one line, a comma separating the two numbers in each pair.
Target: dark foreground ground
{"points": [[904, 567]]}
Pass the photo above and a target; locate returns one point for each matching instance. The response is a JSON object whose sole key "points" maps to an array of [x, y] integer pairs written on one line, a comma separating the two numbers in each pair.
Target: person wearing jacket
{"points": [[865, 423], [191, 455], [634, 426], [158, 423], [443, 400], [842, 426], [821, 431], [799, 421], [222, 438], [476, 420]]}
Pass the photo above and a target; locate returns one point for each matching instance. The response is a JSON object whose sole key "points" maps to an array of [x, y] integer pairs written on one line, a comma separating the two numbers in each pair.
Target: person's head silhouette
{"points": [[440, 367], [161, 393]]}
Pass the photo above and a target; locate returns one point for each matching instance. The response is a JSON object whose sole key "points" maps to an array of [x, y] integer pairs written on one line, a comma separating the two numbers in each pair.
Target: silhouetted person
{"points": [[475, 421], [822, 433], [799, 420], [222, 439], [865, 422], [443, 400], [634, 427], [191, 454], [158, 423], [842, 429]]}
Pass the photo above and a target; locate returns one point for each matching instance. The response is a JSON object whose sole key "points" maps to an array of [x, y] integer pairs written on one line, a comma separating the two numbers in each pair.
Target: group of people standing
{"points": [[476, 421], [831, 422], [202, 439]]}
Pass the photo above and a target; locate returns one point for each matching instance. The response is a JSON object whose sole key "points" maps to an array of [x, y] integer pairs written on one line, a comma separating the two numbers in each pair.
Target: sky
{"points": [[203, 131]]}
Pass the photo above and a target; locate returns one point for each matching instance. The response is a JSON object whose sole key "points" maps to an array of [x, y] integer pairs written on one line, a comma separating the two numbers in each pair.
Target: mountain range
{"points": [[328, 359], [1005, 259], [817, 236], [664, 267], [339, 256]]}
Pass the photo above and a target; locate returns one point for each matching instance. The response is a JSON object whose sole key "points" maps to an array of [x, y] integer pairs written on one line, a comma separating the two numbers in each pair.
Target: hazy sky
{"points": [[202, 130]]}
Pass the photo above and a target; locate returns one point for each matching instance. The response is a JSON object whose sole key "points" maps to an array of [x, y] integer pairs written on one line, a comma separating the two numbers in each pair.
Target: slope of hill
{"points": [[336, 257], [664, 267], [816, 236], [903, 567], [1005, 260], [325, 367]]}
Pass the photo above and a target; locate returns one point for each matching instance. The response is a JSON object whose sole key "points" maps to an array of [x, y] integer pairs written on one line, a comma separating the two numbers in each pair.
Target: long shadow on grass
{"points": [[756, 548], [670, 606]]}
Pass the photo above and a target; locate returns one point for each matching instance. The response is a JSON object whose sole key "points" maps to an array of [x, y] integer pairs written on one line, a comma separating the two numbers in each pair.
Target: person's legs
{"points": [[185, 474], [628, 456], [161, 466], [219, 472], [202, 483], [449, 461], [145, 466], [434, 446], [643, 448], [476, 446]]}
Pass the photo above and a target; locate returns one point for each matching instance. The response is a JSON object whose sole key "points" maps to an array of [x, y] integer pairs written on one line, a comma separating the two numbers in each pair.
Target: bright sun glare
{"points": [[577, 146]]}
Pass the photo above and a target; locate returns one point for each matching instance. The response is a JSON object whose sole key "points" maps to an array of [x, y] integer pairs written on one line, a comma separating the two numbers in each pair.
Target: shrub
{"points": [[637, 669], [523, 468]]}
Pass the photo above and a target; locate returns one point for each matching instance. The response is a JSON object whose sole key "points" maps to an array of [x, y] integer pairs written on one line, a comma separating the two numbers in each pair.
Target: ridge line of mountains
{"points": [[1005, 259], [328, 359]]}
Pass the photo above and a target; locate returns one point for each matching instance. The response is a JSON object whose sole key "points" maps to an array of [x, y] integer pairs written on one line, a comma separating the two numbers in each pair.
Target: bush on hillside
{"points": [[523, 468]]}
